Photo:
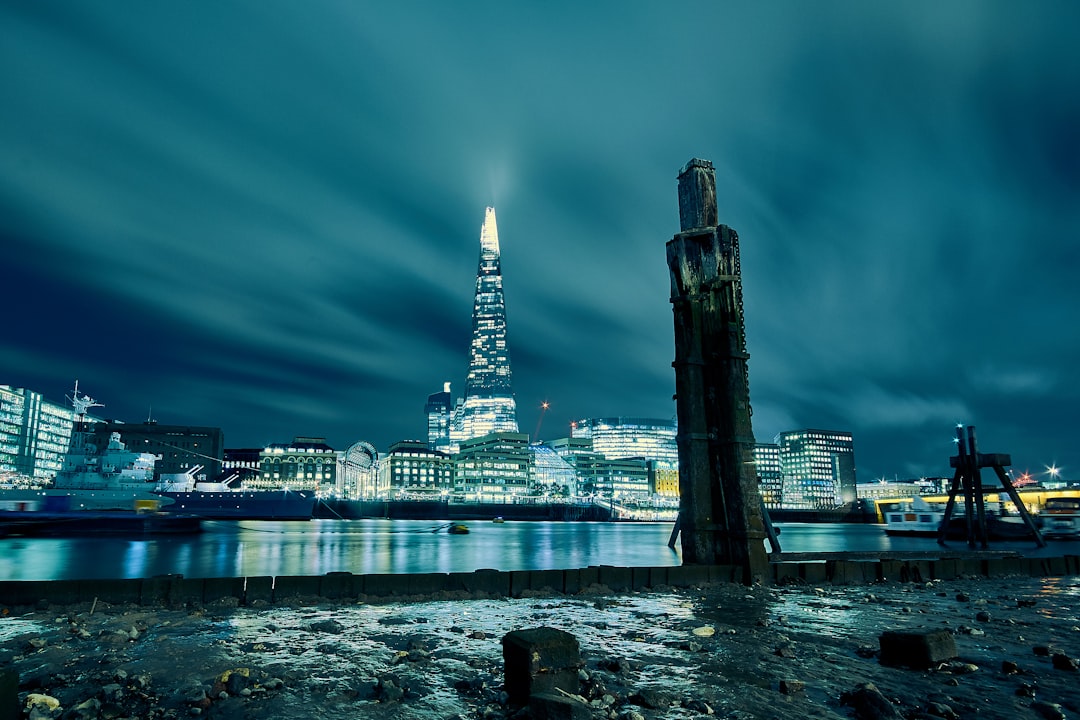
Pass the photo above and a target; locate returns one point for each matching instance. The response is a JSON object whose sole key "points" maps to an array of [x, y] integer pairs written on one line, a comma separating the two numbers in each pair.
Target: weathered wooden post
{"points": [[720, 510]]}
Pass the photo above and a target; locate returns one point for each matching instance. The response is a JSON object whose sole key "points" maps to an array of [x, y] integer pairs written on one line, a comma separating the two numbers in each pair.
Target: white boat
{"points": [[918, 518], [1061, 517]]}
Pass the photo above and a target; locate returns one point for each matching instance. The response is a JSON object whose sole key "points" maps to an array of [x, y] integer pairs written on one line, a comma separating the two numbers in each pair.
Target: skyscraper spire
{"points": [[489, 398]]}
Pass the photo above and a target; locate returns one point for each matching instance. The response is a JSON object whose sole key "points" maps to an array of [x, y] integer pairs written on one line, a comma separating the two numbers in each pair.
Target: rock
{"points": [[388, 691], [1062, 661], [555, 706], [1025, 603], [785, 651], [704, 631], [941, 710], [112, 692], [869, 704], [1026, 690], [87, 710], [916, 649], [477, 635], [650, 699], [1050, 711], [327, 626], [698, 706], [963, 597], [866, 651], [982, 616], [1008, 667], [791, 687], [1041, 650]]}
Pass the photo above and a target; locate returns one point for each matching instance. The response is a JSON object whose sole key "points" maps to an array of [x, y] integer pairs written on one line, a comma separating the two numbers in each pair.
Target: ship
{"points": [[224, 501], [98, 489]]}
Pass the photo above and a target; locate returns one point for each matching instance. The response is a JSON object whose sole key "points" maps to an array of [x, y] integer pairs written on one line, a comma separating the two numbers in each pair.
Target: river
{"points": [[259, 548]]}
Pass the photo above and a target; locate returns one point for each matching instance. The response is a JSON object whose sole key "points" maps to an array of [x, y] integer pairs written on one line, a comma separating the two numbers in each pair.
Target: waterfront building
{"points": [[307, 463], [630, 437], [439, 410], [488, 405], [612, 478], [493, 467], [178, 448], [770, 474], [358, 476], [35, 435], [664, 482], [818, 468], [411, 470], [552, 474]]}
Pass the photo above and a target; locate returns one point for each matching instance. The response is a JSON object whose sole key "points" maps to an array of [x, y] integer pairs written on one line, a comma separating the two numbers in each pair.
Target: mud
{"points": [[727, 651]]}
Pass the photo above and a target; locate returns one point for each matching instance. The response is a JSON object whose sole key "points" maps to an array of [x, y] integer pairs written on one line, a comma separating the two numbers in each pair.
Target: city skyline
{"points": [[264, 219]]}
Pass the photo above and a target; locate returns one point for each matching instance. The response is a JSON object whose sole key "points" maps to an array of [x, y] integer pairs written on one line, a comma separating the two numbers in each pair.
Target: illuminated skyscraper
{"points": [[818, 468], [489, 398]]}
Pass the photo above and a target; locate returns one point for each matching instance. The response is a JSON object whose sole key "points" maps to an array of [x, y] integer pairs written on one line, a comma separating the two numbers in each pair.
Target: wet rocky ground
{"points": [[725, 651]]}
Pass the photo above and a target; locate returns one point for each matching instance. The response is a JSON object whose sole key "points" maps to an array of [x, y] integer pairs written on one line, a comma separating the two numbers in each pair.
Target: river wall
{"points": [[176, 590], [445, 510]]}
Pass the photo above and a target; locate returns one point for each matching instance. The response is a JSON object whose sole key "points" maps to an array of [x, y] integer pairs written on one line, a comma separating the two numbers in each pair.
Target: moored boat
{"points": [[1061, 517], [918, 518]]}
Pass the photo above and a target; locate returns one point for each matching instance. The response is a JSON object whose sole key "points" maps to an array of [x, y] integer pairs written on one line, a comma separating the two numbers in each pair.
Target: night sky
{"points": [[265, 216]]}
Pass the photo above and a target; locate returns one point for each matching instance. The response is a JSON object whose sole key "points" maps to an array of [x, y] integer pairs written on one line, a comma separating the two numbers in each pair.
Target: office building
{"points": [[439, 410], [35, 435], [552, 474], [307, 463], [770, 475], [629, 437], [412, 471], [493, 467], [488, 405], [818, 468]]}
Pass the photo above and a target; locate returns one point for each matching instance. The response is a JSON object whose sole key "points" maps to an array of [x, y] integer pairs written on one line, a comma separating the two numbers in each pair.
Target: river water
{"points": [[260, 548]]}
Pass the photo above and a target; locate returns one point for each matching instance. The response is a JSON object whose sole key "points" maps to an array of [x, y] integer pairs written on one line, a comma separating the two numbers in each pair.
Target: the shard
{"points": [[489, 404]]}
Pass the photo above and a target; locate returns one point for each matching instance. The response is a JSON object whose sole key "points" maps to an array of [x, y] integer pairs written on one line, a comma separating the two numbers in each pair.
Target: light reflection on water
{"points": [[236, 549]]}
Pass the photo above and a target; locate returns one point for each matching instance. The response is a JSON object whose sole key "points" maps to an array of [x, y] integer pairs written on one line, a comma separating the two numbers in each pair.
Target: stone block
{"points": [[540, 660], [617, 578], [427, 583], [258, 589], [214, 589], [814, 573], [292, 586], [111, 590], [916, 648]]}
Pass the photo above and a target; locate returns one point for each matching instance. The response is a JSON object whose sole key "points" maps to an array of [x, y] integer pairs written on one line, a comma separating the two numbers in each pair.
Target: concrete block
{"points": [[115, 591], [784, 572], [490, 582], [540, 660], [427, 583], [290, 586], [29, 592], [616, 578], [946, 569], [221, 588], [258, 589], [156, 590], [658, 576], [338, 585], [536, 580], [916, 649], [184, 591], [382, 585], [814, 573]]}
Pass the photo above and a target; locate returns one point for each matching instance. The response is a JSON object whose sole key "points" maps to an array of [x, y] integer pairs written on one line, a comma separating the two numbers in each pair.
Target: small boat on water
{"points": [[1061, 517], [918, 518], [458, 529]]}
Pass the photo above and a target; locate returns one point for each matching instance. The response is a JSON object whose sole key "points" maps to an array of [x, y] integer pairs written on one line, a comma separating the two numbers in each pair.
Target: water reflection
{"points": [[236, 549]]}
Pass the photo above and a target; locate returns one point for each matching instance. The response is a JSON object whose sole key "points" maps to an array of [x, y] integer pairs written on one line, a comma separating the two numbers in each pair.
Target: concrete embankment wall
{"points": [[178, 590]]}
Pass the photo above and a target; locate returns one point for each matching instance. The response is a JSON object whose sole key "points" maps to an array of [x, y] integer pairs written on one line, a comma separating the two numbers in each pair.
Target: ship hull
{"points": [[243, 504], [86, 522]]}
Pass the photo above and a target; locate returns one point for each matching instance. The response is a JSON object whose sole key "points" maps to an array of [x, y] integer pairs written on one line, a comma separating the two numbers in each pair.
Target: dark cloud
{"points": [[266, 217]]}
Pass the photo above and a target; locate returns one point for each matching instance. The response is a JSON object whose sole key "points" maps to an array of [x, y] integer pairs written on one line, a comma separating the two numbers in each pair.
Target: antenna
{"points": [[82, 404]]}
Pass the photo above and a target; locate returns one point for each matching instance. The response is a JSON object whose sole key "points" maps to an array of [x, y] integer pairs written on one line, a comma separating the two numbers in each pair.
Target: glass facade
{"points": [[489, 404], [818, 468], [769, 474], [35, 435], [493, 467], [551, 473], [619, 437], [439, 409]]}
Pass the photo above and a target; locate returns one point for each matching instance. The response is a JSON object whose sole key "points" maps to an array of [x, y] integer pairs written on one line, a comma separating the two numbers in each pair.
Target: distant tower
{"points": [[489, 399], [439, 408]]}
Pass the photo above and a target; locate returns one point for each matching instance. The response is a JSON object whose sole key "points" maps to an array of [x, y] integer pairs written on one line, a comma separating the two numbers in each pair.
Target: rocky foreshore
{"points": [[722, 650]]}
